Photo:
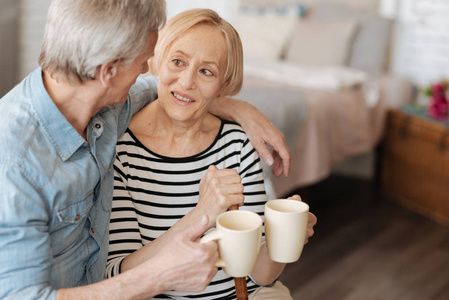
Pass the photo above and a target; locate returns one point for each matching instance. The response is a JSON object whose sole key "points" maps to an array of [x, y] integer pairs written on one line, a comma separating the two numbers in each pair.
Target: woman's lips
{"points": [[182, 98]]}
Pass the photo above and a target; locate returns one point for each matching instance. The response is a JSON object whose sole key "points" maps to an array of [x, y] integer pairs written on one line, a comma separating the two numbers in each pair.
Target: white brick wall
{"points": [[9, 30], [33, 17], [422, 40]]}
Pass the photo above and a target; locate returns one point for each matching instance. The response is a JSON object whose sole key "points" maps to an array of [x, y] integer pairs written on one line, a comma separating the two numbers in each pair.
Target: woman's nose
{"points": [[187, 79]]}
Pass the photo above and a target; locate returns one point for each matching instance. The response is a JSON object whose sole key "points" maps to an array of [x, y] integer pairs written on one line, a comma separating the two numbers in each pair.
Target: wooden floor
{"points": [[367, 247]]}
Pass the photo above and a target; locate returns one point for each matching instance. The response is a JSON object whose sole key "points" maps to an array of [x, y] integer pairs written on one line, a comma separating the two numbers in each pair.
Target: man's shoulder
{"points": [[142, 93], [145, 85], [18, 126], [15, 139]]}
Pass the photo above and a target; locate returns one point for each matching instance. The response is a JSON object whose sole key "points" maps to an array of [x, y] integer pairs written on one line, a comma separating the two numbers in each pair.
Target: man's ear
{"points": [[107, 71]]}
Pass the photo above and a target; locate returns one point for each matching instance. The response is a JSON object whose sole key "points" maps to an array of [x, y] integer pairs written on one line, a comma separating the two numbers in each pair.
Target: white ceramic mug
{"points": [[239, 235], [285, 229]]}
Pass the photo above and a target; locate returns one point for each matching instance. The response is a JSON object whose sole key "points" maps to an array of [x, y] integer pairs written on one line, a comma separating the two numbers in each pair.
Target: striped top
{"points": [[152, 192]]}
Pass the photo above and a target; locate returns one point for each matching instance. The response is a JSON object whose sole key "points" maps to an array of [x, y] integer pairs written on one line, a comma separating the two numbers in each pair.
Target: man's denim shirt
{"points": [[56, 190]]}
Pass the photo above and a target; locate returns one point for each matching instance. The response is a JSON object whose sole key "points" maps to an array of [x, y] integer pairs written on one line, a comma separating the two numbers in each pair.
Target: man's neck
{"points": [[76, 101]]}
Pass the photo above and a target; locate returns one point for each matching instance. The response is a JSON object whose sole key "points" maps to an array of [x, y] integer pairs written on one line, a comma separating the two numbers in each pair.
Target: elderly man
{"points": [[58, 132]]}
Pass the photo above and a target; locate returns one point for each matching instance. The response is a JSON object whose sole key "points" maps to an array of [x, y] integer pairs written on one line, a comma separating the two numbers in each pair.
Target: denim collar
{"points": [[60, 132]]}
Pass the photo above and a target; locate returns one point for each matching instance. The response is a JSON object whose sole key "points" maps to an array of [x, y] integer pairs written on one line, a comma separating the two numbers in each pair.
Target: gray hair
{"points": [[81, 35]]}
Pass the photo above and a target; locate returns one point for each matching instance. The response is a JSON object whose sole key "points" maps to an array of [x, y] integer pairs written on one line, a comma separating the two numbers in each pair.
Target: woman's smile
{"points": [[179, 97]]}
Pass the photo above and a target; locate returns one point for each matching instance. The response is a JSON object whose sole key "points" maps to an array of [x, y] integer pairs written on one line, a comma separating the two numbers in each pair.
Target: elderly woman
{"points": [[174, 142]]}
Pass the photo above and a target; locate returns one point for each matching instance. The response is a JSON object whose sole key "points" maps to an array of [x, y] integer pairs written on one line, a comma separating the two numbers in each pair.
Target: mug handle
{"points": [[213, 236]]}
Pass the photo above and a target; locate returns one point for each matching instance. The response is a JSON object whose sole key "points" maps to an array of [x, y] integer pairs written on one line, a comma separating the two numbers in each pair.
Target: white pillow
{"points": [[365, 5], [322, 43], [371, 43], [264, 36]]}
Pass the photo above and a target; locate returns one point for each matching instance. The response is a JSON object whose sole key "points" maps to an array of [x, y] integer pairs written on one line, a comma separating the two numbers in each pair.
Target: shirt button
{"points": [[77, 217], [98, 126], [93, 230]]}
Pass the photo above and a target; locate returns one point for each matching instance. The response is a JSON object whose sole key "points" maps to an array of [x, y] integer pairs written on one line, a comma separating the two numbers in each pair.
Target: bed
{"points": [[320, 74], [324, 127]]}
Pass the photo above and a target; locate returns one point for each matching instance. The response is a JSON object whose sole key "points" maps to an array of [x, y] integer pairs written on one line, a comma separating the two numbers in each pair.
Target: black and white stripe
{"points": [[152, 192]]}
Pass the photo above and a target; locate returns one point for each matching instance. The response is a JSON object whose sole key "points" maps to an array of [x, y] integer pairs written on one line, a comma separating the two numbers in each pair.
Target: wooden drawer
{"points": [[415, 164]]}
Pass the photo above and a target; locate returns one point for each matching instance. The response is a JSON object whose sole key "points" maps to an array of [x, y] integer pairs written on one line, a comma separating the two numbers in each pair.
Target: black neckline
{"points": [[179, 159]]}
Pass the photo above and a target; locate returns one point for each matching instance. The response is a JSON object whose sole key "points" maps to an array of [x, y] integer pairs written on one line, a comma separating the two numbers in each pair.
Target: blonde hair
{"points": [[182, 22], [81, 35]]}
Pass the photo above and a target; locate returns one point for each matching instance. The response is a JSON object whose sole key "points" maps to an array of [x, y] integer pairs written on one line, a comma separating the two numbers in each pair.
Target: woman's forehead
{"points": [[202, 39]]}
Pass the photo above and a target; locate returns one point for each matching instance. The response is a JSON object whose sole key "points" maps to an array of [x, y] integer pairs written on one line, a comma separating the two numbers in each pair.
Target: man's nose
{"points": [[145, 68]]}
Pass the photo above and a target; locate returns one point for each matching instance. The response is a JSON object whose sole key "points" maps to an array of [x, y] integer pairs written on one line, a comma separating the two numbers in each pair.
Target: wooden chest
{"points": [[415, 162]]}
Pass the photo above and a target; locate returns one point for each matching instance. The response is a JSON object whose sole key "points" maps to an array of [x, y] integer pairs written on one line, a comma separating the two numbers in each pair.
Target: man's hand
{"points": [[260, 131], [185, 264]]}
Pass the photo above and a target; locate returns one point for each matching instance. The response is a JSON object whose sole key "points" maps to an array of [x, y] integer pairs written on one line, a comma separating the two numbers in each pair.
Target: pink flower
{"points": [[438, 106]]}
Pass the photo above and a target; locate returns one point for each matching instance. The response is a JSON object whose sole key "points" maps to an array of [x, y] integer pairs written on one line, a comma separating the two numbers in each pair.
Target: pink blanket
{"points": [[339, 124]]}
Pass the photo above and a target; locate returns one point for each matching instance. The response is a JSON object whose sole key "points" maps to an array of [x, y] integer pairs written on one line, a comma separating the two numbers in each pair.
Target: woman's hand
{"points": [[259, 129], [311, 222], [267, 270], [219, 190]]}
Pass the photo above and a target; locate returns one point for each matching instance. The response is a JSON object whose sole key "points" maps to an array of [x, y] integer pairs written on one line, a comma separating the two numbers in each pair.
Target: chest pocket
{"points": [[76, 212], [68, 232]]}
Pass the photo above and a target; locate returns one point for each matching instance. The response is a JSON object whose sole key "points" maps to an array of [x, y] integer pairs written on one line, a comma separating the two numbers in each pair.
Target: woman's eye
{"points": [[177, 62], [206, 72]]}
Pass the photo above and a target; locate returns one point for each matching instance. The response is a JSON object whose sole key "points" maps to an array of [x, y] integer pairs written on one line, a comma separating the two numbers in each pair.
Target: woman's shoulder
{"points": [[127, 143], [230, 125], [232, 131]]}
